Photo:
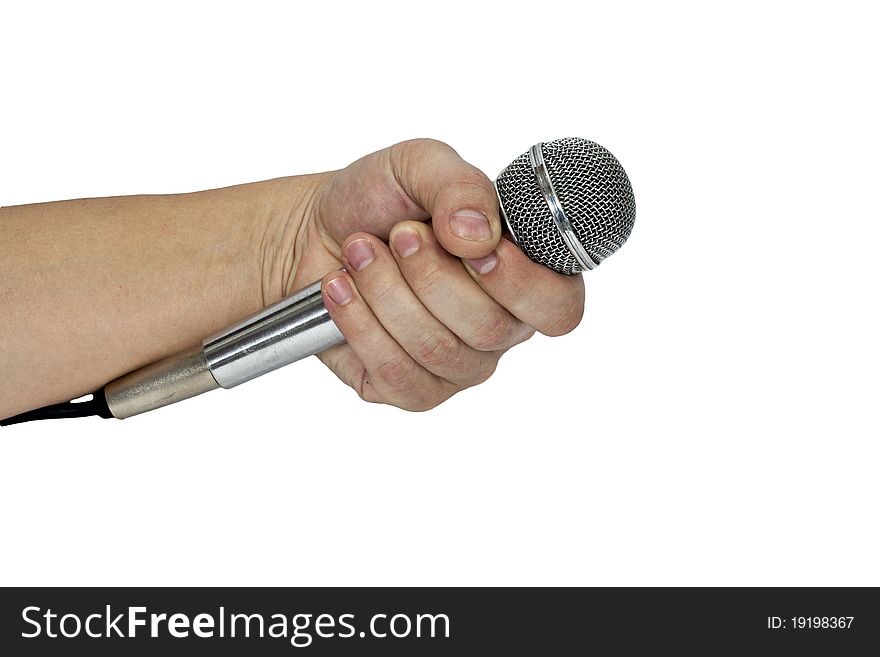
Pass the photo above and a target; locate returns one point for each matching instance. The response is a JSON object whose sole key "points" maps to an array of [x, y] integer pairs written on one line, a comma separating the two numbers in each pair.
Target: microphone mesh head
{"points": [[595, 194]]}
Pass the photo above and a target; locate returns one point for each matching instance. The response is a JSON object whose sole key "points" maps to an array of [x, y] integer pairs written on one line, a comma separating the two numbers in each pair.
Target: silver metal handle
{"points": [[283, 333]]}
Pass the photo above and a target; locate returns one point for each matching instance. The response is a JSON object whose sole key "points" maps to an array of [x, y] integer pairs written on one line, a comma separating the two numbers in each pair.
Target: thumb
{"points": [[459, 198]]}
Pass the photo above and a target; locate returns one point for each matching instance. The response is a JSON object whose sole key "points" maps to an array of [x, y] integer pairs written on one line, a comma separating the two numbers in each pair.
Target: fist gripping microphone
{"points": [[568, 204]]}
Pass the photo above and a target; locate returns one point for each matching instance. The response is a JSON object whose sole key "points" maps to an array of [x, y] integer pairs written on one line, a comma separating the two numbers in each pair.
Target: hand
{"points": [[431, 314]]}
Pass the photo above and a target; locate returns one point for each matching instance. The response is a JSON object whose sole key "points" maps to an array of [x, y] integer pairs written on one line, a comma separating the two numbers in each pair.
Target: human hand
{"points": [[432, 313]]}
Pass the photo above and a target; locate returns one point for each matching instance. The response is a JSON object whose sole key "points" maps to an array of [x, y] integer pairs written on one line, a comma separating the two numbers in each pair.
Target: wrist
{"points": [[284, 229]]}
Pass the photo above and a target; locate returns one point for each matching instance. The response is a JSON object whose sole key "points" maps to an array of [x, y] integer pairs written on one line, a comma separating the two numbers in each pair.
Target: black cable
{"points": [[97, 405]]}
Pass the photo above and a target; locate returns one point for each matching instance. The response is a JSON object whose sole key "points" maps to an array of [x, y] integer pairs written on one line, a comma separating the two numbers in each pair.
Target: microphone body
{"points": [[285, 332]]}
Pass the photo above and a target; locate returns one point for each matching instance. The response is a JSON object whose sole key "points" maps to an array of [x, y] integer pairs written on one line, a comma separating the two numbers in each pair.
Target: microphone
{"points": [[568, 204]]}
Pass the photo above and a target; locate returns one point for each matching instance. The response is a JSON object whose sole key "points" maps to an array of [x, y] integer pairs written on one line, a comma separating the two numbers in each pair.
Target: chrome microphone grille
{"points": [[568, 204]]}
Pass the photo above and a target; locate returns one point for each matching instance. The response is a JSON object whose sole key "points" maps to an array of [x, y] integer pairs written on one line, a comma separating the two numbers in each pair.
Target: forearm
{"points": [[93, 288]]}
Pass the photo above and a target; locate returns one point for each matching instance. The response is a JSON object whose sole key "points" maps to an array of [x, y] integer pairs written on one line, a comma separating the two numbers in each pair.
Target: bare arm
{"points": [[93, 288]]}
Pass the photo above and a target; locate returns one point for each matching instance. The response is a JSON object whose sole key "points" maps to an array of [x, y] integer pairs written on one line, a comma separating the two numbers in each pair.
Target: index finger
{"points": [[551, 303]]}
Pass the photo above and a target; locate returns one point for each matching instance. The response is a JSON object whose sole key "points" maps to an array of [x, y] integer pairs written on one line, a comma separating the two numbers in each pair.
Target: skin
{"points": [[91, 289]]}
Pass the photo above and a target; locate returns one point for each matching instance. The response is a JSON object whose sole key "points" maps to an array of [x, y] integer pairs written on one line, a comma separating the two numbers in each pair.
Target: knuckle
{"points": [[482, 372], [473, 177], [424, 401], [398, 373], [528, 332], [380, 290], [407, 151], [430, 275], [378, 285], [470, 187], [491, 333], [516, 289], [565, 318], [436, 349], [425, 143]]}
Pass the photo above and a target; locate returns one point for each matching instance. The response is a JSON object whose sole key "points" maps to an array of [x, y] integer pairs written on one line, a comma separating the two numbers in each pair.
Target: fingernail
{"points": [[405, 242], [483, 265], [359, 254], [339, 290], [470, 225]]}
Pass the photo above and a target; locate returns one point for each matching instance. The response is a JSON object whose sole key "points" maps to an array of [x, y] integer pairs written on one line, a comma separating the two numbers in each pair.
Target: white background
{"points": [[712, 421]]}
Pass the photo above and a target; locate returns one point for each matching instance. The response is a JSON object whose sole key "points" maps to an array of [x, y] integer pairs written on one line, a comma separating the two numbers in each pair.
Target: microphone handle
{"points": [[283, 333]]}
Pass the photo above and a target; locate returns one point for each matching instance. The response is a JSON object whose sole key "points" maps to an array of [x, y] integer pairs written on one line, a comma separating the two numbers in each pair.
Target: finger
{"points": [[552, 303], [398, 379], [445, 288], [345, 364], [460, 199], [394, 304]]}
